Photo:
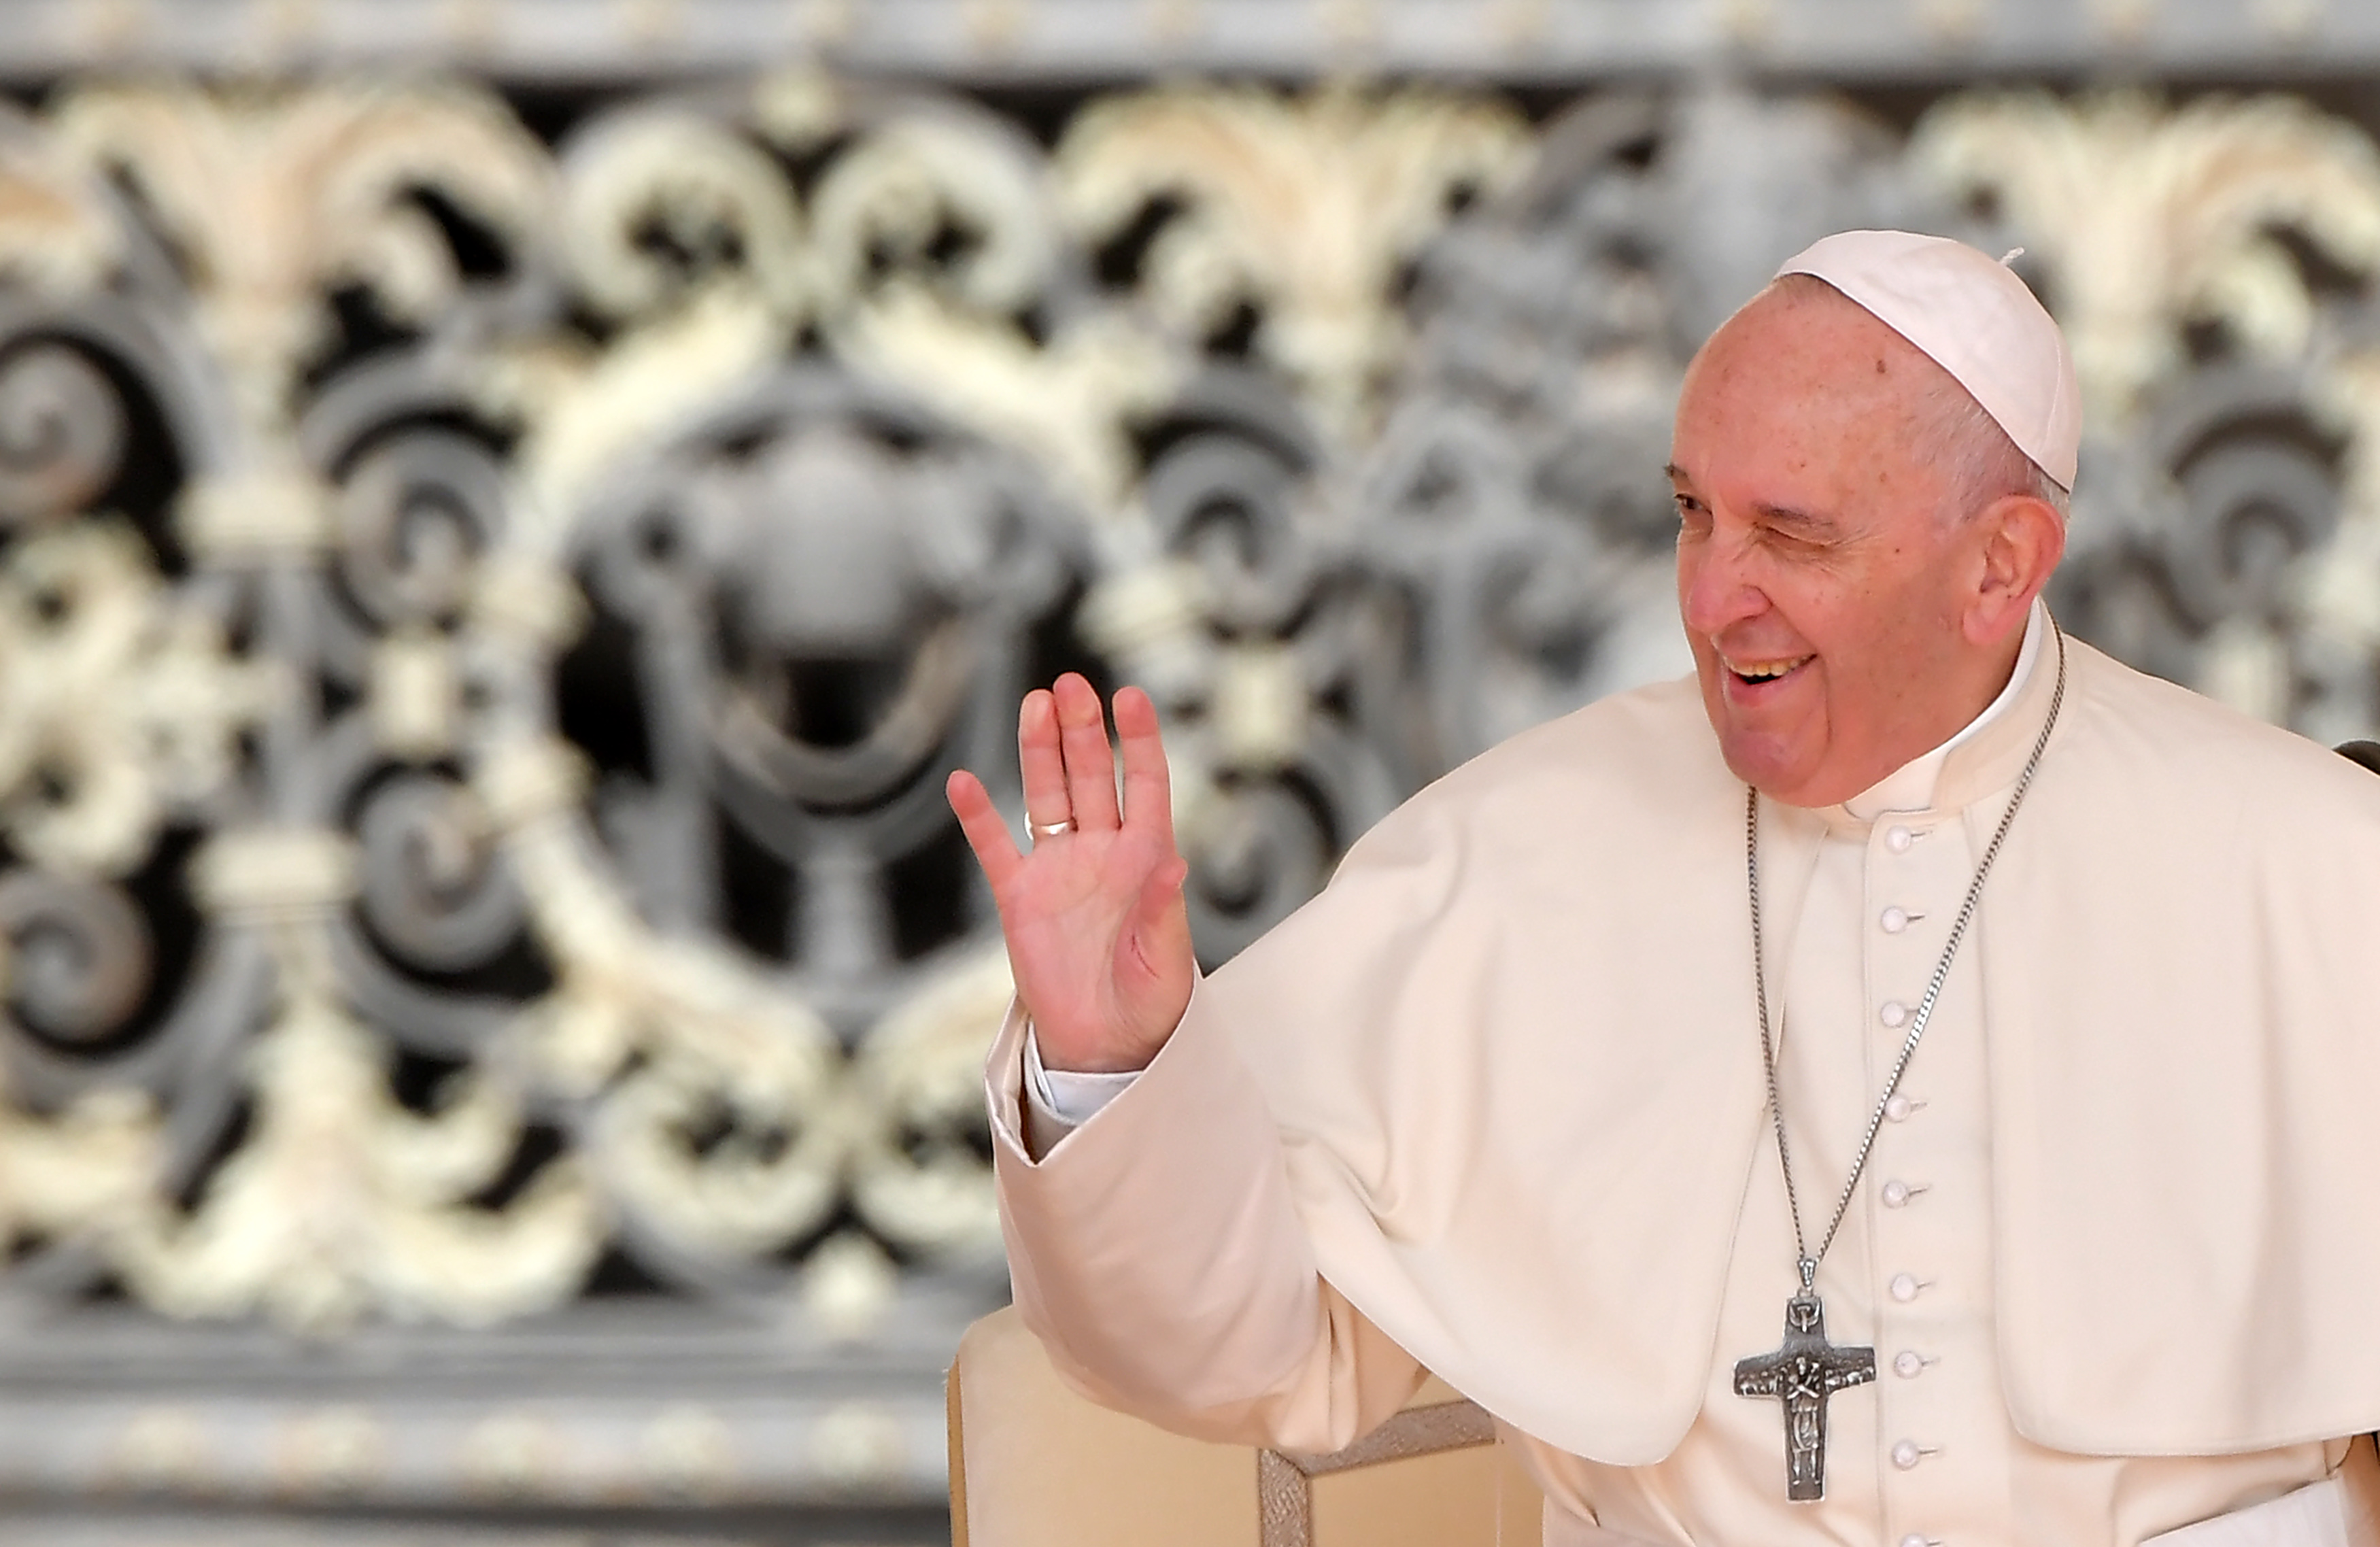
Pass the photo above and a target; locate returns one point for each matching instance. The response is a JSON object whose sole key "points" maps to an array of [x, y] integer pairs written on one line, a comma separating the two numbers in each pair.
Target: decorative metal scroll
{"points": [[493, 997]]}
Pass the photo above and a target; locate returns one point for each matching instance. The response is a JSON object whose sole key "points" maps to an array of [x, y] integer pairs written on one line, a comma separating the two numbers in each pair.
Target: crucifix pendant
{"points": [[1803, 1373]]}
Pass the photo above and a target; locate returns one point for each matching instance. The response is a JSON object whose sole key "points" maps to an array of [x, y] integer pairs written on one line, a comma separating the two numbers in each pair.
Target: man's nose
{"points": [[1715, 590]]}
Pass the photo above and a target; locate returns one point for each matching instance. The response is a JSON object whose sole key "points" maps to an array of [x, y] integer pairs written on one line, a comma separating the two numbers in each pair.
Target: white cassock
{"points": [[1493, 1106]]}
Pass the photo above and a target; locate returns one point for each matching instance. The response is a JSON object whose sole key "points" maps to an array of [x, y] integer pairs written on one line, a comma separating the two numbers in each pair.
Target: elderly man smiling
{"points": [[1911, 1084]]}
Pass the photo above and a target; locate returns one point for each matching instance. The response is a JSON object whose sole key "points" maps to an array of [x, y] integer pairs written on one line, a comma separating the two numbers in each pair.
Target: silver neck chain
{"points": [[1805, 1259]]}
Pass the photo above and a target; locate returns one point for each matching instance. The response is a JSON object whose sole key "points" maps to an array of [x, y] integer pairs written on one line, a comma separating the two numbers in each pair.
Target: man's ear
{"points": [[2023, 538]]}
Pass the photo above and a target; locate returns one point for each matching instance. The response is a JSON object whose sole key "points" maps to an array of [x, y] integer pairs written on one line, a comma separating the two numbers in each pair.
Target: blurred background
{"points": [[509, 510]]}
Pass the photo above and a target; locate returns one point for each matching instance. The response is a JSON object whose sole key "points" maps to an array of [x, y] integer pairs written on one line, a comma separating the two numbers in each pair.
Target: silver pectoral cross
{"points": [[1803, 1373]]}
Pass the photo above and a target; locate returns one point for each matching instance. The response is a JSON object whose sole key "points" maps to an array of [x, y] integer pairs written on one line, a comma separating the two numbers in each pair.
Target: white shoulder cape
{"points": [[1513, 1054]]}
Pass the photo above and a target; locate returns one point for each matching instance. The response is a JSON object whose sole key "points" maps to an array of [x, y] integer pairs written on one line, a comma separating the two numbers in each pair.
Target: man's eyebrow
{"points": [[1677, 474], [1804, 523]]}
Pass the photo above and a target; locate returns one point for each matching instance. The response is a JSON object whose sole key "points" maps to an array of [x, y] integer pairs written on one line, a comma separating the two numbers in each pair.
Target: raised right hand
{"points": [[1098, 939]]}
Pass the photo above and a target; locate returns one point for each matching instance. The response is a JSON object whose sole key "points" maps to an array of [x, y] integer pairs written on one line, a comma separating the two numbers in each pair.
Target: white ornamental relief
{"points": [[1303, 207], [2154, 218], [2152, 221], [489, 598]]}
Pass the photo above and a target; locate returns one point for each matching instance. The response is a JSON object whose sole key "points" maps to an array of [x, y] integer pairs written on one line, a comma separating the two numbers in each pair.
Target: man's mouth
{"points": [[1753, 673]]}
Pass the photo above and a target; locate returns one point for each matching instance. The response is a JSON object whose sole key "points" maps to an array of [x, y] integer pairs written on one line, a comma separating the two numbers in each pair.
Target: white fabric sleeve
{"points": [[1058, 1101], [1159, 1256]]}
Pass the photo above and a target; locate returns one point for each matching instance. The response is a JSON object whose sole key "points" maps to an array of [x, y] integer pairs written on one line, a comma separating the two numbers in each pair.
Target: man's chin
{"points": [[1770, 745], [1775, 769]]}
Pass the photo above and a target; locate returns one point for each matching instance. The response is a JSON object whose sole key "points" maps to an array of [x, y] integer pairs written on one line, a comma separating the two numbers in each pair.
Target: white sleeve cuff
{"points": [[1068, 1101]]}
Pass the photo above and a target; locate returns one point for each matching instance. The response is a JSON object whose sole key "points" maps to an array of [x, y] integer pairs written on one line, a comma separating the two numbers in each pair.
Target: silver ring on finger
{"points": [[1041, 830]]}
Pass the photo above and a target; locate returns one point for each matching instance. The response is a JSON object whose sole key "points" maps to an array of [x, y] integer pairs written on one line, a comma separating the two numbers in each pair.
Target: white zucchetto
{"points": [[1973, 317]]}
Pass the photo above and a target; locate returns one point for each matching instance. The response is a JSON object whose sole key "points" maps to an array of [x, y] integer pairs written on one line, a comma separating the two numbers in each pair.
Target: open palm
{"points": [[1098, 939]]}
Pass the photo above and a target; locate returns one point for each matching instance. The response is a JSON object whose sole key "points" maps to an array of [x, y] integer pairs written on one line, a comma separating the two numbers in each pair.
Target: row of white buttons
{"points": [[1892, 920], [1908, 1363]]}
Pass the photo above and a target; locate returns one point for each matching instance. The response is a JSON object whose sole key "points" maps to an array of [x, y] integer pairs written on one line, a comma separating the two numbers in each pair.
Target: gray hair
{"points": [[1978, 462]]}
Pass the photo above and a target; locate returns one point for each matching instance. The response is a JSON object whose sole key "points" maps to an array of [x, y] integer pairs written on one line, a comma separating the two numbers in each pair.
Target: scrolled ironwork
{"points": [[486, 612]]}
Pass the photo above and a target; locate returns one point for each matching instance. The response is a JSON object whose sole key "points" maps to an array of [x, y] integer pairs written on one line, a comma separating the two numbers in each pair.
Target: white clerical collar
{"points": [[1910, 786]]}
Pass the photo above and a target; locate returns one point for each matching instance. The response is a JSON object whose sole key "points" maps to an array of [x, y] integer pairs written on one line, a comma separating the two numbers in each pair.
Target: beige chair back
{"points": [[1033, 1465]]}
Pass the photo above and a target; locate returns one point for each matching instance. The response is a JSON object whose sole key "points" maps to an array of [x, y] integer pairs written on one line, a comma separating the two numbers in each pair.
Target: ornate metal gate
{"points": [[508, 511]]}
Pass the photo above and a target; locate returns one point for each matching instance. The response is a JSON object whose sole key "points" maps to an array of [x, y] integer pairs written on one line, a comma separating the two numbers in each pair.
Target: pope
{"points": [[1909, 1082]]}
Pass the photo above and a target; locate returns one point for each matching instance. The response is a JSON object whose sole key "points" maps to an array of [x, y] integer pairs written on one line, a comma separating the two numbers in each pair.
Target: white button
{"points": [[1899, 1107], [1895, 1193], [1893, 1013], [1893, 919], [1905, 1455], [1898, 839], [1909, 1364], [1904, 1287]]}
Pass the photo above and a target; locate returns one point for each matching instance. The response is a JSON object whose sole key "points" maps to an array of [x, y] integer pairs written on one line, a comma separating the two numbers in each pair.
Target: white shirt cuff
{"points": [[1063, 1101]]}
